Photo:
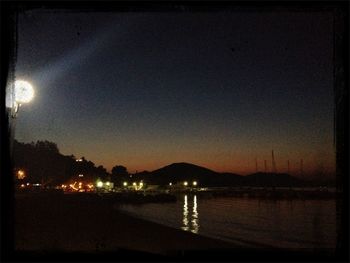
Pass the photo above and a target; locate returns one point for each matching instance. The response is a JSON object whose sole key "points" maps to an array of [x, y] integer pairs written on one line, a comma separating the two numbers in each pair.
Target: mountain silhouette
{"points": [[180, 172]]}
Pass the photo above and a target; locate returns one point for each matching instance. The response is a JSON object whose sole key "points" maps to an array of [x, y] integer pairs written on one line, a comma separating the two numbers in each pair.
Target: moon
{"points": [[24, 91]]}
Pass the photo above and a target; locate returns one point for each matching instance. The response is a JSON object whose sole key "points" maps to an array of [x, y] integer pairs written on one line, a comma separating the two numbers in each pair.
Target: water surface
{"points": [[251, 222]]}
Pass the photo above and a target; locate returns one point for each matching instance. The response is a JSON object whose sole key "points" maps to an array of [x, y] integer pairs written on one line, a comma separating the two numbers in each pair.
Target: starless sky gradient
{"points": [[148, 89]]}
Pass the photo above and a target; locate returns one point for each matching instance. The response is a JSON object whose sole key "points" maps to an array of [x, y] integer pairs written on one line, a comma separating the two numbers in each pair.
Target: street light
{"points": [[23, 93], [17, 93]]}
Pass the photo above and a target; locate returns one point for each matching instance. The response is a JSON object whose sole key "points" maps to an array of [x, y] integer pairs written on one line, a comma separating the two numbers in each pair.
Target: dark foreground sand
{"points": [[78, 223], [60, 227]]}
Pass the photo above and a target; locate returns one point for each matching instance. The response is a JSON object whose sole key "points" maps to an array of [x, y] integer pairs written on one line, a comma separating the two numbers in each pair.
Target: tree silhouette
{"points": [[44, 164], [119, 170], [47, 146], [119, 174]]}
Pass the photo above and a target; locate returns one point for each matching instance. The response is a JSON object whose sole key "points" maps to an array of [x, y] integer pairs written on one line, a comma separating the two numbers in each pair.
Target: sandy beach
{"points": [[80, 224]]}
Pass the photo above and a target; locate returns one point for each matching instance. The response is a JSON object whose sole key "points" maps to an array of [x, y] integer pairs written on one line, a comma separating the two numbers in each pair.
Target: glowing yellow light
{"points": [[20, 174], [81, 175], [134, 184], [73, 186], [80, 183], [170, 184], [22, 185], [99, 184], [185, 183], [194, 183], [107, 183], [24, 91], [141, 184], [125, 183]]}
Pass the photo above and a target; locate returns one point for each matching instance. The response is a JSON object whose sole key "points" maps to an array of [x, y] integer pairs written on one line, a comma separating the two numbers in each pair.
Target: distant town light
{"points": [[81, 175], [27, 183], [134, 184], [23, 185], [79, 160], [125, 183], [141, 184], [185, 183], [99, 184], [170, 184], [107, 183], [194, 183]]}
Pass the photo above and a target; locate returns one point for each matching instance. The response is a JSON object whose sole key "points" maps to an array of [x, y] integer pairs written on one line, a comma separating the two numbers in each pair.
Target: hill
{"points": [[180, 172], [43, 163]]}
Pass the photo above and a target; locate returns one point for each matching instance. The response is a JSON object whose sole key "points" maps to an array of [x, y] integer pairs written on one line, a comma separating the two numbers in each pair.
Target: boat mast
{"points": [[273, 163]]}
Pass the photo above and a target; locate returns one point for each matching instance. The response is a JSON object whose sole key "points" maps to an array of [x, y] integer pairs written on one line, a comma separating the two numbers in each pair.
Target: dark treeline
{"points": [[43, 163]]}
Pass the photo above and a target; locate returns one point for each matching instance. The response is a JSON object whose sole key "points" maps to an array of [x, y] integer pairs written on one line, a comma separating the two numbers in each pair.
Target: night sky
{"points": [[148, 89]]}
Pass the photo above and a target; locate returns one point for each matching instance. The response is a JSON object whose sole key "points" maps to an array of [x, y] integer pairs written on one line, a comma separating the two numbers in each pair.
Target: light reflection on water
{"points": [[251, 222], [185, 215], [194, 227]]}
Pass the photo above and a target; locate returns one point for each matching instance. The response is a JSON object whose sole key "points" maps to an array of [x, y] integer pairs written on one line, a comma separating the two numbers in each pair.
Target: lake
{"points": [[250, 222]]}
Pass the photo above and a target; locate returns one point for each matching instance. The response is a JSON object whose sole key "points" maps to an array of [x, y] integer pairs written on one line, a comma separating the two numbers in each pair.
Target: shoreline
{"points": [[169, 195], [80, 227], [98, 227]]}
